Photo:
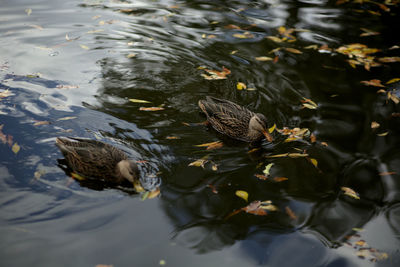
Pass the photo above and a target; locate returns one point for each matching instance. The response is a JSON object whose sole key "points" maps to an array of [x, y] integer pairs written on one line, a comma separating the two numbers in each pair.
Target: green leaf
{"points": [[267, 169]]}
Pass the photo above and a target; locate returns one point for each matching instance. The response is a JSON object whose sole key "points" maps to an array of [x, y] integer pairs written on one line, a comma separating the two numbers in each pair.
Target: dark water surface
{"points": [[87, 58]]}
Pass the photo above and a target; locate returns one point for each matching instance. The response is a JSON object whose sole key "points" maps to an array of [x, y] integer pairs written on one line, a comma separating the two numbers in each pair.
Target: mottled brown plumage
{"points": [[97, 160], [235, 121]]}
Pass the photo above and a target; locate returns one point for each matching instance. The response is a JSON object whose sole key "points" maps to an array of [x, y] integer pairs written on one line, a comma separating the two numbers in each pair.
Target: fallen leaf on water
{"points": [[375, 125], [84, 46], [386, 173], [290, 213], [216, 75], [357, 229], [95, 31], [172, 137], [267, 169], [131, 55], [280, 179], [367, 32], [324, 143], [36, 26], [389, 59], [394, 47], [241, 86], [234, 52], [314, 162], [350, 192], [5, 93], [308, 103], [214, 167], [393, 80], [162, 262], [138, 100], [383, 134], [260, 176], [15, 148], [293, 50], [271, 129], [245, 35], [104, 265], [41, 123], [77, 176], [66, 118], [315, 47], [154, 193], [242, 194], [313, 138], [200, 162], [374, 82], [28, 11], [275, 39], [212, 145], [63, 86], [264, 58], [151, 108]]}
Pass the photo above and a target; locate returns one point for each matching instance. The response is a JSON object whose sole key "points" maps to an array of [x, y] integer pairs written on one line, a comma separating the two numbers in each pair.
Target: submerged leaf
{"points": [[242, 194]]}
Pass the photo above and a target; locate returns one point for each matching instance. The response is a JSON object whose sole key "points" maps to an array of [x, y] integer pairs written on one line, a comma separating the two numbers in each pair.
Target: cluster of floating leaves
{"points": [[363, 250]]}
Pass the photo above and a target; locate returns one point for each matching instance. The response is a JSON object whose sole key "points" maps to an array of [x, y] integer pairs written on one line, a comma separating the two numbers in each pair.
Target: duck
{"points": [[235, 121], [97, 160]]}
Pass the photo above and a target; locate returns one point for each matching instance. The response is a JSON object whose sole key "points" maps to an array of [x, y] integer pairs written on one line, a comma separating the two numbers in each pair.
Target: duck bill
{"points": [[268, 136]]}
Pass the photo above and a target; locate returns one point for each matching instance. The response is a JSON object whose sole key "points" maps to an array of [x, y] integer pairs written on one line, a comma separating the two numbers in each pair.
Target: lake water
{"points": [[70, 68]]}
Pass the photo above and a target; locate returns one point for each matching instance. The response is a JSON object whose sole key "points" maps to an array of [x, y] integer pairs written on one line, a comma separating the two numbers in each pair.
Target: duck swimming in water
{"points": [[234, 120], [97, 160]]}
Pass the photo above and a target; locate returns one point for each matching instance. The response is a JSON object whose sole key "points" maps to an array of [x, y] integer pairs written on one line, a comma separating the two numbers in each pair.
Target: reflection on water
{"points": [[71, 69]]}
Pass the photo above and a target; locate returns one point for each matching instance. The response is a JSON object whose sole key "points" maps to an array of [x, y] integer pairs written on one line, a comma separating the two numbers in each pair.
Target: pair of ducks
{"points": [[98, 160]]}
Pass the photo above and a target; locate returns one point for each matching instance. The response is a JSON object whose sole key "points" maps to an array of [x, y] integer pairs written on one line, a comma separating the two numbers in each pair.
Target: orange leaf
{"points": [[151, 108], [291, 214], [280, 179], [260, 176], [373, 82]]}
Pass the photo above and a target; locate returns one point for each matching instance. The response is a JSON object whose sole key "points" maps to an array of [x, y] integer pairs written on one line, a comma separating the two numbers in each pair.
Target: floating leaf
{"points": [[275, 39], [84, 47], [386, 173], [28, 11], [271, 129], [242, 194], [308, 103], [267, 169], [15, 148], [374, 125], [234, 52], [138, 100], [162, 262], [280, 179], [172, 137], [199, 163], [151, 108], [77, 176], [214, 167], [63, 86], [212, 145], [41, 123], [383, 134], [153, 194], [293, 50], [374, 82], [131, 55], [350, 192], [314, 162], [260, 176], [315, 47], [241, 86], [393, 80], [5, 93], [367, 32], [264, 58], [66, 118], [216, 75], [291, 214], [245, 35], [95, 31], [36, 26], [389, 59]]}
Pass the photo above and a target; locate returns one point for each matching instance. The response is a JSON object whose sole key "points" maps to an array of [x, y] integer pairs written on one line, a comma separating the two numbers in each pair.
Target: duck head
{"points": [[128, 170], [258, 124]]}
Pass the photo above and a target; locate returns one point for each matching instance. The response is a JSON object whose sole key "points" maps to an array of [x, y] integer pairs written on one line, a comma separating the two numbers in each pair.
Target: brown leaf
{"points": [[387, 173], [375, 125], [212, 145], [172, 137], [389, 59], [291, 214], [216, 75], [293, 50], [260, 176], [280, 179], [151, 108], [41, 123], [350, 192], [374, 82]]}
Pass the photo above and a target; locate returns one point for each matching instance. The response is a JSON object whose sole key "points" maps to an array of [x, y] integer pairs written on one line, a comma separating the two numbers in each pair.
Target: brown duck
{"points": [[98, 160], [235, 121]]}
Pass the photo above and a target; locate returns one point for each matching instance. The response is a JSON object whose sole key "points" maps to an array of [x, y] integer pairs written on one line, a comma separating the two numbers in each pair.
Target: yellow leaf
{"points": [[134, 100], [315, 47], [5, 93], [66, 118], [275, 39], [138, 186], [264, 58], [270, 130], [350, 192], [389, 59], [245, 35], [267, 169], [199, 163], [41, 123], [297, 155], [292, 50], [15, 148], [131, 55], [172, 137], [309, 106], [214, 167], [242, 194], [373, 82], [278, 155], [84, 47], [375, 125], [208, 144], [162, 262], [393, 80], [314, 162], [28, 11], [77, 176], [241, 86], [234, 52], [154, 193]]}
